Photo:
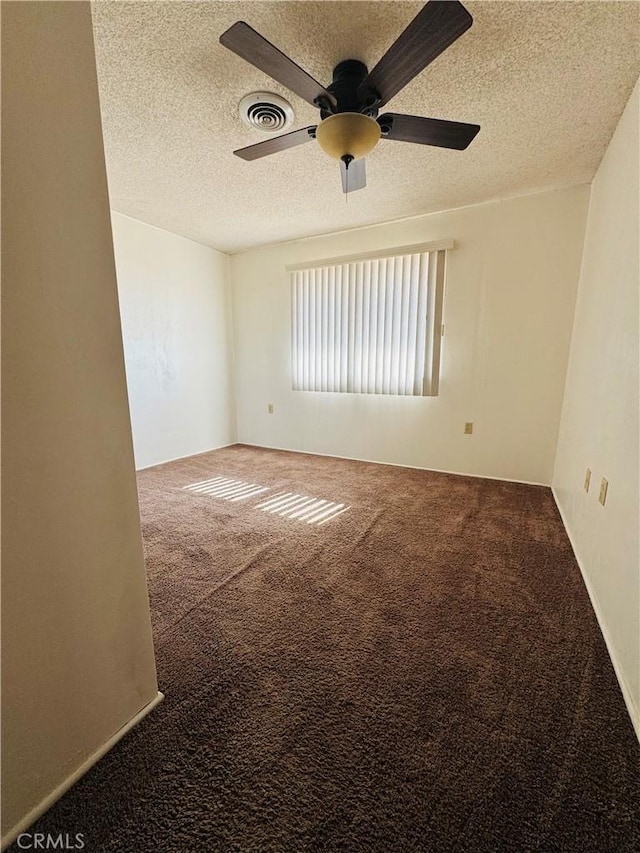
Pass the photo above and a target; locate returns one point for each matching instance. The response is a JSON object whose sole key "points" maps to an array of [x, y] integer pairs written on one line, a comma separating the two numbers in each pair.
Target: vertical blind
{"points": [[365, 326]]}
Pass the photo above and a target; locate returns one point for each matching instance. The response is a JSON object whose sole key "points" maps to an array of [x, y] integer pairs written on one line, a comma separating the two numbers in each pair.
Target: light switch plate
{"points": [[587, 480], [468, 428], [270, 408], [604, 485]]}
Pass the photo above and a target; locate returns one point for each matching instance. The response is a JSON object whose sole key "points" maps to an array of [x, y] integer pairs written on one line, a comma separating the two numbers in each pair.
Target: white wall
{"points": [[175, 307], [599, 427], [77, 654], [509, 303]]}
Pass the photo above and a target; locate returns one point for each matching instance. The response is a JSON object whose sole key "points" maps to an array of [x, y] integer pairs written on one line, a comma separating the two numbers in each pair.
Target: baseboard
{"points": [[634, 712], [392, 464], [188, 456], [61, 789]]}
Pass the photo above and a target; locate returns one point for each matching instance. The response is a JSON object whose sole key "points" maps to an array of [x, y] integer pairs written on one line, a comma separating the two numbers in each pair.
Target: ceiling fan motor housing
{"points": [[347, 77]]}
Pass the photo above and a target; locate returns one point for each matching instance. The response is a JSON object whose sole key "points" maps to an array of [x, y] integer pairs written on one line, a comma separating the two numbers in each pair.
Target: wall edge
{"points": [[633, 711], [80, 771]]}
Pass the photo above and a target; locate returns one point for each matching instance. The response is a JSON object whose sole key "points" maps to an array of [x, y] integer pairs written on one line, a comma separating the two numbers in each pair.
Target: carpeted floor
{"points": [[422, 672]]}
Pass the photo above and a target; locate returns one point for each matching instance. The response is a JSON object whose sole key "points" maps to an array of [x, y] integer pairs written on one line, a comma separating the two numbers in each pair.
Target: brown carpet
{"points": [[423, 672]]}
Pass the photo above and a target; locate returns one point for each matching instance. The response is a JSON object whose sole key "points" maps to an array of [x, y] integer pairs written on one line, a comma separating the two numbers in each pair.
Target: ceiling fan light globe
{"points": [[348, 134]]}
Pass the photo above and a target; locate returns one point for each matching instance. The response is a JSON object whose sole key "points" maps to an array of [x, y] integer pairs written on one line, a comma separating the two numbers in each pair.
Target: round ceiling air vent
{"points": [[266, 111]]}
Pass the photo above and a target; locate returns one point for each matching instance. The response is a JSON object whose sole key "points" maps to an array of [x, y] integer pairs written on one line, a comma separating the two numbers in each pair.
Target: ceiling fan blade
{"points": [[250, 45], [276, 143], [427, 131], [431, 32], [355, 177]]}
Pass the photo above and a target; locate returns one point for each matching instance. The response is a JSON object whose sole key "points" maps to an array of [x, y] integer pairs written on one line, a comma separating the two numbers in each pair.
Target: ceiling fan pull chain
{"points": [[347, 159]]}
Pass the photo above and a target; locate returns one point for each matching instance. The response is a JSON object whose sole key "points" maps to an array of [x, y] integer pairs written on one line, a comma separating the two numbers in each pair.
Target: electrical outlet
{"points": [[604, 485], [468, 428], [270, 408], [587, 480]]}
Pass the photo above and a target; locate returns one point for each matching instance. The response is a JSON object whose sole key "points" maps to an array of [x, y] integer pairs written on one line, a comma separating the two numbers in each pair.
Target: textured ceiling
{"points": [[547, 82]]}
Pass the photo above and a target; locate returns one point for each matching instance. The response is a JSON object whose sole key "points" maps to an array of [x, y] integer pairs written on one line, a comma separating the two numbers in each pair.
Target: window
{"points": [[369, 325]]}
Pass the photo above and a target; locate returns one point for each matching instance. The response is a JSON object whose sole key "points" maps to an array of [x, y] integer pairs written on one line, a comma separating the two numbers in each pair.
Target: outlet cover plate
{"points": [[604, 485]]}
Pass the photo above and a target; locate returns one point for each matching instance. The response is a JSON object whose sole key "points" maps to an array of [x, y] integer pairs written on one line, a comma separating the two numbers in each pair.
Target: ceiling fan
{"points": [[350, 126]]}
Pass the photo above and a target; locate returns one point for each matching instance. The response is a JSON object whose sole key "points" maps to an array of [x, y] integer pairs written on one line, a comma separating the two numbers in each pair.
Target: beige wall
{"points": [[175, 307], [599, 427], [76, 639], [509, 304]]}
